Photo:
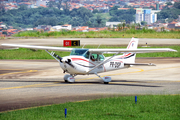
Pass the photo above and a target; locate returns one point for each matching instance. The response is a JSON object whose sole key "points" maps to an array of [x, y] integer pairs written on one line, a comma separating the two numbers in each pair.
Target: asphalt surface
{"points": [[27, 83]]}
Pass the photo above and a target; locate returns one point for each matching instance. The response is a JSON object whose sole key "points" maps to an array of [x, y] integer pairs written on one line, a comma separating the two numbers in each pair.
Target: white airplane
{"points": [[92, 61]]}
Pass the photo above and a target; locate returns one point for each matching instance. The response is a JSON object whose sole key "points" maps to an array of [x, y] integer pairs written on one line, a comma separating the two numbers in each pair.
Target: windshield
{"points": [[80, 52]]}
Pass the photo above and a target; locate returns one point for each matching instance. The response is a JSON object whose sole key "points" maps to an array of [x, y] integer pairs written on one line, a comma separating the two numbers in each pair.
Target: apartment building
{"points": [[146, 15]]}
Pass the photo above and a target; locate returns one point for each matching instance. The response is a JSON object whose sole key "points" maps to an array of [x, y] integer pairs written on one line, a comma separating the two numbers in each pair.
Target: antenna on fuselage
{"points": [[83, 45]]}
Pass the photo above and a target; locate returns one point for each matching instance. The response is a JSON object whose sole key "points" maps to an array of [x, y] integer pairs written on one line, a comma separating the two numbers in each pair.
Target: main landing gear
{"points": [[71, 79], [106, 79]]}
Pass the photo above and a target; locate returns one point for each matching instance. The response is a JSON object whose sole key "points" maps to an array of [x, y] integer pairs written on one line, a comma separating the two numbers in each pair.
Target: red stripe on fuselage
{"points": [[125, 55], [75, 59]]}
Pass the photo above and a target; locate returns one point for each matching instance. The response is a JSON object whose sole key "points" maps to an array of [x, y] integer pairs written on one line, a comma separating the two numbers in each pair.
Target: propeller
{"points": [[62, 60]]}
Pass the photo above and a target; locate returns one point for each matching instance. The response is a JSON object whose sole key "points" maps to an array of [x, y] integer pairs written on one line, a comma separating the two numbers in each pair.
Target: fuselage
{"points": [[82, 65]]}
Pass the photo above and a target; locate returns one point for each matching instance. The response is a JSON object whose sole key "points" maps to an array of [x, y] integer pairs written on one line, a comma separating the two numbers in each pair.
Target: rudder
{"points": [[130, 57]]}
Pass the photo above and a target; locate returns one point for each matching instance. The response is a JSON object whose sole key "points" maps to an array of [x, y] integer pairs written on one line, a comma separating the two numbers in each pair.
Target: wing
{"points": [[150, 50], [39, 47]]}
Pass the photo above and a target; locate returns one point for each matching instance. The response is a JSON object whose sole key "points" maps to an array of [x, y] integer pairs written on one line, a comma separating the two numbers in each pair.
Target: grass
{"points": [[23, 53], [148, 107], [102, 34]]}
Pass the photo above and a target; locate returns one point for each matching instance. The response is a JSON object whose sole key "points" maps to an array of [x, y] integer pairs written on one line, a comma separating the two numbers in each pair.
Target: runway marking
{"points": [[54, 83], [26, 86], [27, 71]]}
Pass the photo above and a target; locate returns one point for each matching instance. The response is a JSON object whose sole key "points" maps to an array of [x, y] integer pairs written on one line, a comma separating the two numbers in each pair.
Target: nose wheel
{"points": [[69, 78]]}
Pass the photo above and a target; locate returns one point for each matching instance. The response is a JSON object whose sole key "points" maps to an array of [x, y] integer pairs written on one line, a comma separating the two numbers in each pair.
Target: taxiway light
{"points": [[65, 112], [135, 99]]}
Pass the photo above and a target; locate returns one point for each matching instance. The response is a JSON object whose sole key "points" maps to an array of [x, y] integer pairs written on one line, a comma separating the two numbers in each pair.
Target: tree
{"points": [[113, 10], [114, 19], [143, 23], [99, 20], [153, 7], [119, 27], [95, 11], [124, 24], [168, 3], [2, 6], [139, 25], [23, 7], [59, 4], [177, 5], [51, 4], [119, 15], [33, 17]]}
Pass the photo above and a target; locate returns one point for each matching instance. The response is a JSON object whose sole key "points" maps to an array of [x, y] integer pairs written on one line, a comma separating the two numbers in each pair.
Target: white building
{"points": [[146, 15], [61, 27], [112, 24]]}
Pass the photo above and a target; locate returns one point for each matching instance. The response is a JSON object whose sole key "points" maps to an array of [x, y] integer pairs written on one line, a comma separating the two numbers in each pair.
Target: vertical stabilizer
{"points": [[130, 57]]}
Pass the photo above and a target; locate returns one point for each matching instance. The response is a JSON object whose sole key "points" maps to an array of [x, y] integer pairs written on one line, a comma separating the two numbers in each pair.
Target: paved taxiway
{"points": [[25, 83]]}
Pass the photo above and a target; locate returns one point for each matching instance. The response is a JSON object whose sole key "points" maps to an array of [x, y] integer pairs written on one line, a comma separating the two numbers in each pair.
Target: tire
{"points": [[106, 82]]}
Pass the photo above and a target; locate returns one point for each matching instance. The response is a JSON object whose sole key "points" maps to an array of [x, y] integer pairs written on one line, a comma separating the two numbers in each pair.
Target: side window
{"points": [[93, 57], [87, 55], [101, 57], [97, 57]]}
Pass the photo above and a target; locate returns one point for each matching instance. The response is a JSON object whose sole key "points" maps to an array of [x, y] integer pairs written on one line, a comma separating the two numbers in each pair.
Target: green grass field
{"points": [[23, 53], [145, 33], [148, 107]]}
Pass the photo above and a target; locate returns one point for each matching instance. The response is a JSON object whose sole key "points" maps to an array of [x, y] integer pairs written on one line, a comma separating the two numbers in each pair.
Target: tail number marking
{"points": [[115, 64]]}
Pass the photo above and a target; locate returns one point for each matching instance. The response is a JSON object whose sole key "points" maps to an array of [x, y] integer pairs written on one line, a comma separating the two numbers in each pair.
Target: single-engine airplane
{"points": [[92, 61]]}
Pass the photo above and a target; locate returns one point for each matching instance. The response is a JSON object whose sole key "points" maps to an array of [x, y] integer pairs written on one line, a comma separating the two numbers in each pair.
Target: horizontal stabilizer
{"points": [[140, 64]]}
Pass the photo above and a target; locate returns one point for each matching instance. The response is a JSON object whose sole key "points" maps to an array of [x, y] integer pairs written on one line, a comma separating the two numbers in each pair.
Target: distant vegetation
{"points": [[23, 53], [32, 17], [121, 15], [148, 107], [170, 13], [121, 33]]}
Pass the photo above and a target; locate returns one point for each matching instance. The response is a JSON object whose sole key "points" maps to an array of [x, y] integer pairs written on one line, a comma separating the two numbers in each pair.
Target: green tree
{"points": [[99, 20], [143, 23], [177, 5], [119, 27], [168, 3], [123, 25], [95, 11]]}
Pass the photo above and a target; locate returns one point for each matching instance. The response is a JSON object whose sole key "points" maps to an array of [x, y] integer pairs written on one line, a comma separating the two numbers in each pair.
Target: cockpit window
{"points": [[97, 57], [86, 55], [79, 52]]}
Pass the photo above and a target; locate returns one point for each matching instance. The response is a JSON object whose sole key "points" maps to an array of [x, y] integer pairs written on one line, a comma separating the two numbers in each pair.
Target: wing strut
{"points": [[57, 57], [102, 63]]}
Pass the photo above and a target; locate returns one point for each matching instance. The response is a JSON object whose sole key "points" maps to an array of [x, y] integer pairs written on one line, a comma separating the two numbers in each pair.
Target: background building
{"points": [[146, 15]]}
